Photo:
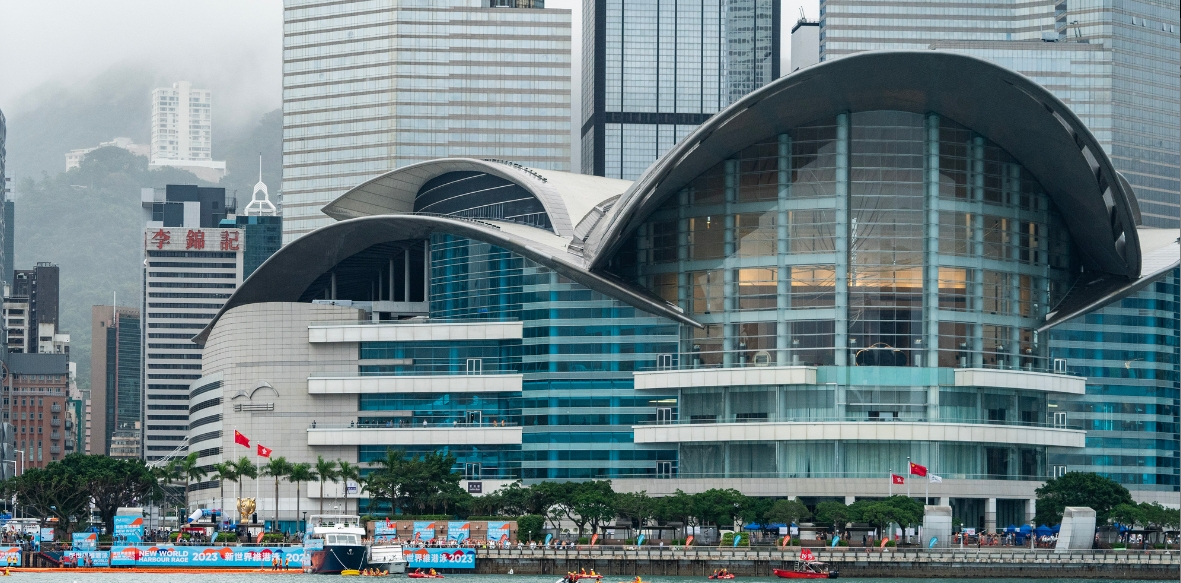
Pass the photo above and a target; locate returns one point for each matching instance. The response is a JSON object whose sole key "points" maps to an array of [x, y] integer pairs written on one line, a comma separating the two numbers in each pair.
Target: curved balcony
{"points": [[453, 433], [345, 384], [413, 330], [844, 430]]}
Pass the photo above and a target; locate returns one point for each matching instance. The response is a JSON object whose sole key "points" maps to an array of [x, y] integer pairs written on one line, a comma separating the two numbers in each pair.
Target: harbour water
{"points": [[82, 577]]}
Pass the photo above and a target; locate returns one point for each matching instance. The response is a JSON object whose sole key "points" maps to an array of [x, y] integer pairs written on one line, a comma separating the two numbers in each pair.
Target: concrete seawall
{"points": [[967, 563]]}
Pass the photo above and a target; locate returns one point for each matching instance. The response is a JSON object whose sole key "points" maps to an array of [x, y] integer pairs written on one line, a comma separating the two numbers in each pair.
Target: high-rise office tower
{"points": [[654, 70], [191, 266], [116, 393], [5, 221], [31, 312], [182, 130], [370, 87], [1115, 64]]}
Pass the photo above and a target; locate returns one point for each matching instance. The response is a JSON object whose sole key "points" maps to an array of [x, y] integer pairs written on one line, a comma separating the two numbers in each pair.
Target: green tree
{"points": [[832, 512], [51, 491], [348, 472], [530, 526], [635, 507], [718, 507], [1079, 489], [677, 508], [277, 468], [112, 483], [1127, 514], [223, 471], [244, 468], [787, 512], [1159, 516], [594, 503], [191, 471], [325, 471], [298, 474]]}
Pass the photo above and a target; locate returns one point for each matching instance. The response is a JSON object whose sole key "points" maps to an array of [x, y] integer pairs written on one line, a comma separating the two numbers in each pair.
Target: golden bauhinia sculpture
{"points": [[245, 509]]}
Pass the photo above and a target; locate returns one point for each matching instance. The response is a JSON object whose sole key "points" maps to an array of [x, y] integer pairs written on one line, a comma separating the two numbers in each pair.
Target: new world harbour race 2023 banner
{"points": [[424, 558], [169, 556]]}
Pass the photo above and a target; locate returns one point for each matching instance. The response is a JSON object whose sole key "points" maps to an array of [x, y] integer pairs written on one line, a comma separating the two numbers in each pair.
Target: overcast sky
{"points": [[236, 42]]}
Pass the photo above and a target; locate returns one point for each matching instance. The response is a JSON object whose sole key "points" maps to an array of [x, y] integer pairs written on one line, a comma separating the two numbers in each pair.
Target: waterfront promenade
{"points": [[988, 562]]}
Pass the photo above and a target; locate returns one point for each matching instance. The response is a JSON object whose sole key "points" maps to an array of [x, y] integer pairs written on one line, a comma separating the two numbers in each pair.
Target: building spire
{"points": [[260, 206]]}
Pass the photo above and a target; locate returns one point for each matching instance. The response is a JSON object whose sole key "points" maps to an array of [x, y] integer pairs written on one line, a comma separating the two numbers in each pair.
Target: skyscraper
{"points": [[191, 266], [654, 70], [1115, 64], [31, 312], [116, 392], [369, 87], [5, 226], [182, 130]]}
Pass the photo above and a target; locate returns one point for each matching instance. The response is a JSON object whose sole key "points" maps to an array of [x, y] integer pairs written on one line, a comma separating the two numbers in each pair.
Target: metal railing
{"points": [[424, 422], [849, 418]]}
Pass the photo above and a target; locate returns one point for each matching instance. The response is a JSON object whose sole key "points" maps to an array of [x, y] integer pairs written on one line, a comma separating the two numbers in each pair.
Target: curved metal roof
{"points": [[565, 196], [287, 274], [1010, 110]]}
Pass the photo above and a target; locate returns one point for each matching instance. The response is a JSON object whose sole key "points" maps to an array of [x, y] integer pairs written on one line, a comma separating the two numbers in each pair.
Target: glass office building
{"points": [[373, 85], [849, 268], [654, 70], [1113, 63], [1129, 353]]}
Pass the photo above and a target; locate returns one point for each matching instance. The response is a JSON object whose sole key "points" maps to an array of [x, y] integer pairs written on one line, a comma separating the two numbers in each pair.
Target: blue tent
{"points": [[1043, 530], [752, 526], [1010, 528], [1025, 528], [1056, 528]]}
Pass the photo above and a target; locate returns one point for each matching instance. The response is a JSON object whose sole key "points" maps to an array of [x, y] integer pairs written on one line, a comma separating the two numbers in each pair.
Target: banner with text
{"points": [[129, 528], [424, 531], [168, 556], [440, 558], [10, 556], [84, 541], [498, 531], [385, 530], [88, 558], [459, 531]]}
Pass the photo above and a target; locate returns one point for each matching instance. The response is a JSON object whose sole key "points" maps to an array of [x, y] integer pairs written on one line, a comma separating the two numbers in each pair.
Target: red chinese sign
{"points": [[195, 240], [161, 238], [229, 240]]}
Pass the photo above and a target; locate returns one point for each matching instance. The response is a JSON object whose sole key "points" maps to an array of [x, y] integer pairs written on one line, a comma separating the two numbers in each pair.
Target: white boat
{"points": [[387, 557]]}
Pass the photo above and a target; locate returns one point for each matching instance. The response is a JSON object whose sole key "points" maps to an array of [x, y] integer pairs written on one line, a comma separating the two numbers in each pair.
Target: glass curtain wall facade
{"points": [[578, 353], [1113, 63], [373, 85], [654, 70], [124, 396], [885, 248], [1129, 353]]}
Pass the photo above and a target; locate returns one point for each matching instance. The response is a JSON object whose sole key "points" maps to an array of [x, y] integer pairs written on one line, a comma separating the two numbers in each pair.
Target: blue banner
{"points": [[84, 541], [10, 556], [384, 530], [498, 531], [458, 531], [89, 558], [836, 540], [640, 539], [129, 528], [424, 531], [170, 556], [548, 538], [440, 558]]}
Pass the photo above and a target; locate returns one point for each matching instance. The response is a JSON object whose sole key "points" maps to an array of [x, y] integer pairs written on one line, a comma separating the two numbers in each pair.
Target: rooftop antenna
{"points": [[263, 206]]}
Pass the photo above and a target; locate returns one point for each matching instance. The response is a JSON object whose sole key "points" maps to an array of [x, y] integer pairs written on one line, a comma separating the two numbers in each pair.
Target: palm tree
{"points": [[301, 472], [223, 471], [277, 468], [191, 471], [245, 469], [349, 472], [326, 470]]}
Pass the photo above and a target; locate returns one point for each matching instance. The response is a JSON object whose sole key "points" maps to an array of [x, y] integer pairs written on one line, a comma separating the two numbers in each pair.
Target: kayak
{"points": [[726, 576], [784, 574], [423, 576], [350, 573]]}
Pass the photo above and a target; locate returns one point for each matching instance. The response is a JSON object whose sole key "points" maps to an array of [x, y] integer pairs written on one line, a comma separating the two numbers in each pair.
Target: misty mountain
{"points": [[88, 221]]}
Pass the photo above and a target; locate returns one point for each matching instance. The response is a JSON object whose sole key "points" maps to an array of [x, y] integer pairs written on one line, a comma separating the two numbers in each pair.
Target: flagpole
{"points": [[891, 481], [909, 470]]}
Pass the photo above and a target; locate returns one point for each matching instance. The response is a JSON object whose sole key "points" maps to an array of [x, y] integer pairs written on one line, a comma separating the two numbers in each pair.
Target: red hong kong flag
{"points": [[806, 555], [897, 479], [241, 439], [917, 470], [263, 451]]}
